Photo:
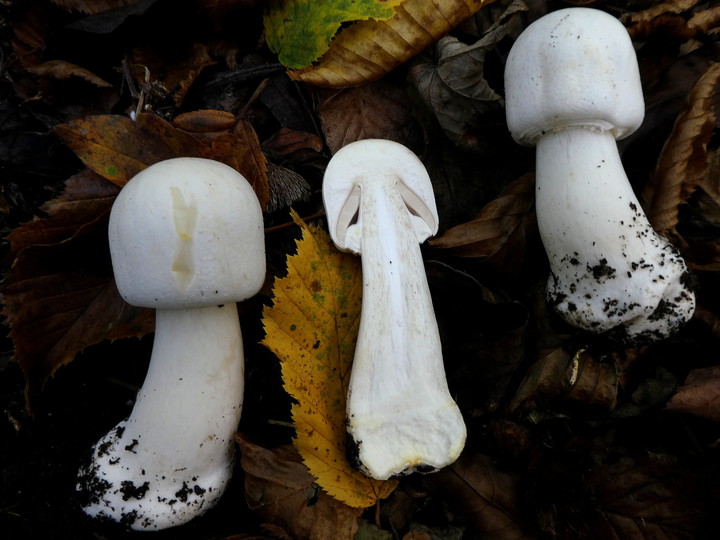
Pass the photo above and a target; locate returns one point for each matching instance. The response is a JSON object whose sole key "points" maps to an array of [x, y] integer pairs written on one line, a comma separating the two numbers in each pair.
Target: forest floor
{"points": [[570, 435]]}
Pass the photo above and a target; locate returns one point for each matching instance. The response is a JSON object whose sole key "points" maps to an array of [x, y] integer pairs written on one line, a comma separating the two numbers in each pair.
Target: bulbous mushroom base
{"points": [[396, 443], [633, 302], [117, 485]]}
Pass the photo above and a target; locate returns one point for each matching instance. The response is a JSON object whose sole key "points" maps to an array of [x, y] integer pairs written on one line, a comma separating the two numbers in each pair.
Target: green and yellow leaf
{"points": [[299, 31], [369, 49]]}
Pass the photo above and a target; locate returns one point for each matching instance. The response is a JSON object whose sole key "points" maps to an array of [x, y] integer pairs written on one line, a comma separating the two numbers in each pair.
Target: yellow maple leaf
{"points": [[312, 327]]}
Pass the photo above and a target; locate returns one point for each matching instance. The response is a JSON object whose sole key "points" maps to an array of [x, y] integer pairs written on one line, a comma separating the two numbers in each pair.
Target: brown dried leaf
{"points": [[281, 490], [703, 253], [242, 151], [60, 296], [376, 110], [484, 337], [117, 148], [205, 121], [680, 19], [699, 395], [486, 497], [498, 234], [60, 70], [85, 199], [684, 158], [647, 497], [367, 50], [562, 378], [455, 88], [417, 535], [293, 145], [31, 29], [705, 22]]}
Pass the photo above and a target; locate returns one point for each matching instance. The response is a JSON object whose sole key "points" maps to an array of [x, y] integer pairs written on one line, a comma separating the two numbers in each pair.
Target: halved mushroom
{"points": [[380, 204]]}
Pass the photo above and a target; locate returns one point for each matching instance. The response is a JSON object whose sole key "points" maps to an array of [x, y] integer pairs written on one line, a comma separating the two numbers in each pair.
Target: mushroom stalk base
{"points": [[609, 269], [401, 415], [172, 458]]}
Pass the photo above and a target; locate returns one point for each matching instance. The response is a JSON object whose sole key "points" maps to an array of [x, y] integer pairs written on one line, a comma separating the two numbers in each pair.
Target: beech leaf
{"points": [[367, 50], [683, 19], [59, 69], [312, 327], [623, 492]]}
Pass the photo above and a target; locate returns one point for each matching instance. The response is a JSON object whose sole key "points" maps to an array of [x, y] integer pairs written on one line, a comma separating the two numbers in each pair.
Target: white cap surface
{"points": [[573, 67], [187, 232], [376, 161]]}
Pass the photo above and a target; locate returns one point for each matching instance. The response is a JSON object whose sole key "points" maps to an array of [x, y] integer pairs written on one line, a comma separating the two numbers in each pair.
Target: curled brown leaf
{"points": [[499, 232], [684, 158], [60, 69]]}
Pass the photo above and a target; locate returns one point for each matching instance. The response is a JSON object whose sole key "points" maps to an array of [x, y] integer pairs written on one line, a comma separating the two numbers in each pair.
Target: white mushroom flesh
{"points": [[400, 413]]}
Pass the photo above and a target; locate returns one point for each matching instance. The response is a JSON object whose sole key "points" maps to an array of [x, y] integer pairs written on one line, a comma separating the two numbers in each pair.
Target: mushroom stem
{"points": [[179, 437], [400, 412], [608, 266]]}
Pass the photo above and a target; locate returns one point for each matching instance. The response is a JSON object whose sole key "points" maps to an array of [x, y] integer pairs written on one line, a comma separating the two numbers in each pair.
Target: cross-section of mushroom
{"points": [[380, 205], [573, 87], [186, 238]]}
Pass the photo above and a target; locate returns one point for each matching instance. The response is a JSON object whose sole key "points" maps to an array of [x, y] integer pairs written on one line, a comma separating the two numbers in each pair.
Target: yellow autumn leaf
{"points": [[312, 327], [367, 50]]}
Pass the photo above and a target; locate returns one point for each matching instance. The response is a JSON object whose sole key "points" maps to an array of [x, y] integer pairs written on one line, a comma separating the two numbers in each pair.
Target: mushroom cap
{"points": [[187, 232], [377, 161], [573, 67]]}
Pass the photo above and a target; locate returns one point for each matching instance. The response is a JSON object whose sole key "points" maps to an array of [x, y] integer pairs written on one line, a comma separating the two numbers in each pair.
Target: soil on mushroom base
{"points": [[41, 455]]}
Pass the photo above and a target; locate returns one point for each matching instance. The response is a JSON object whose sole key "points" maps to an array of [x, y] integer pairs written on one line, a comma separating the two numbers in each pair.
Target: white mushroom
{"points": [[380, 205], [186, 238], [572, 88]]}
